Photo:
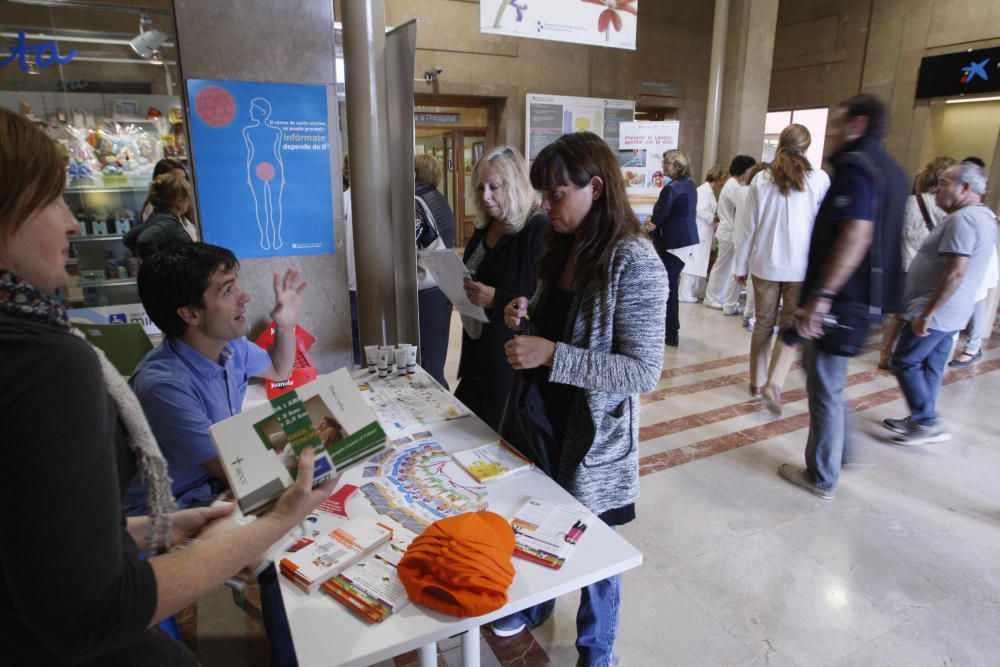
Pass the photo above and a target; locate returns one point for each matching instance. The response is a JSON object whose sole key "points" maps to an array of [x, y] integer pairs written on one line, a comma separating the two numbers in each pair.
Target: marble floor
{"points": [[742, 568]]}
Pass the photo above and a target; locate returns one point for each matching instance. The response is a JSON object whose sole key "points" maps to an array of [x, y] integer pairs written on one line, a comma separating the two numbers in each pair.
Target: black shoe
{"points": [[671, 340]]}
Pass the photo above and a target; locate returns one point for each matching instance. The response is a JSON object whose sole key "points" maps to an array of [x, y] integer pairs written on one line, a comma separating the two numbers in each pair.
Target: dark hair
{"points": [[177, 277], [574, 159], [32, 172], [978, 161], [871, 106], [740, 164]]}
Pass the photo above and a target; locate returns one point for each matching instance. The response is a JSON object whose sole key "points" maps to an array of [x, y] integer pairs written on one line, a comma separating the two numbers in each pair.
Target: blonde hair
{"points": [[520, 199], [679, 159], [716, 173], [927, 179], [790, 164], [426, 169], [170, 191], [32, 172]]}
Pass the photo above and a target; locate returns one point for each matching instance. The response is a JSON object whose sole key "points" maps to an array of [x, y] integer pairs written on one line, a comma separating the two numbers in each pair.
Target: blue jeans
{"points": [[919, 366], [596, 621], [279, 635], [829, 440]]}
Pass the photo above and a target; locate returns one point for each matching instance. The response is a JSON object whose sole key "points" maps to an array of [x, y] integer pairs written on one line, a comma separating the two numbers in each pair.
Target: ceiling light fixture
{"points": [[149, 39], [965, 100]]}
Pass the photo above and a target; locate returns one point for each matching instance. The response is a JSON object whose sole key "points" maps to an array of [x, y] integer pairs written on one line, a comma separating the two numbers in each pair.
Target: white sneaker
{"points": [[712, 304], [506, 632], [731, 310]]}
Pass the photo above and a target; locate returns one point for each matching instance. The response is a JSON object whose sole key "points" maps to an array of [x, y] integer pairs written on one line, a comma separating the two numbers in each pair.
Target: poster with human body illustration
{"points": [[262, 164]]}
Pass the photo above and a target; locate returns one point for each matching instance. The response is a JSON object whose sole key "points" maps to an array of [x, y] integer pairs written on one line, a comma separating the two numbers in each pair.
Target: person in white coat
{"points": [[771, 241], [693, 277], [723, 293]]}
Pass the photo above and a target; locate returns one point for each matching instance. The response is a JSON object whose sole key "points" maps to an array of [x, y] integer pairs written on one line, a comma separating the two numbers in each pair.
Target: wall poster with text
{"points": [[594, 22], [262, 163], [548, 117]]}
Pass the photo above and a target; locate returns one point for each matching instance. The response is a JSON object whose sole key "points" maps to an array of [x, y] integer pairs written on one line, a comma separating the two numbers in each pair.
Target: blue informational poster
{"points": [[262, 163]]}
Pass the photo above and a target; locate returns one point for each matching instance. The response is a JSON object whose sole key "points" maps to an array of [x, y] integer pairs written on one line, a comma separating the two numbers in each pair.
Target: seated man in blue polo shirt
{"points": [[199, 374]]}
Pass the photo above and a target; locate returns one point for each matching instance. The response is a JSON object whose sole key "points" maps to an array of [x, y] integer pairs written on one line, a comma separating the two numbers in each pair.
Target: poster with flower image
{"points": [[595, 22]]}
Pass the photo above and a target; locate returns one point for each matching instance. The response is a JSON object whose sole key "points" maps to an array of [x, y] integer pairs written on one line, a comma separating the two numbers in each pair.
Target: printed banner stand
{"points": [[641, 145]]}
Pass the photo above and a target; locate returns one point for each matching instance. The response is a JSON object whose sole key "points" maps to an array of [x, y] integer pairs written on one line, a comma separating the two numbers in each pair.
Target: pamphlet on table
{"points": [[546, 532], [371, 587], [416, 482], [492, 461], [316, 558], [403, 401]]}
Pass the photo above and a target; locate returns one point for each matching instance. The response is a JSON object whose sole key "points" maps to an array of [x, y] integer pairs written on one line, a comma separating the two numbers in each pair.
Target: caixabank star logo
{"points": [[974, 69]]}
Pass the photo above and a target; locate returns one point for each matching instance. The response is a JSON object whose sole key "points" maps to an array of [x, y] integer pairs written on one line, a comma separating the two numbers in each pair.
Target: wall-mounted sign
{"points": [[641, 145], [963, 73], [657, 94], [551, 116], [41, 54], [262, 165], [595, 22], [437, 118]]}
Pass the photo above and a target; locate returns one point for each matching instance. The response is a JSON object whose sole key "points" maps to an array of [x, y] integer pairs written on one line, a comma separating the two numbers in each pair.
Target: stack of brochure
{"points": [[546, 532], [315, 560], [371, 587]]}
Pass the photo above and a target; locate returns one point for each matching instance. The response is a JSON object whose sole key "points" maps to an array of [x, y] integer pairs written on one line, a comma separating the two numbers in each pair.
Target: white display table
{"points": [[326, 633]]}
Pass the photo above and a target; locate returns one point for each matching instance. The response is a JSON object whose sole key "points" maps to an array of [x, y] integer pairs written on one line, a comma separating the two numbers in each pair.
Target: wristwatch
{"points": [[824, 294]]}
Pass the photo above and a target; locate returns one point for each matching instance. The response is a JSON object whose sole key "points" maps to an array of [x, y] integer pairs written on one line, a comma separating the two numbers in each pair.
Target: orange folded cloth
{"points": [[460, 565]]}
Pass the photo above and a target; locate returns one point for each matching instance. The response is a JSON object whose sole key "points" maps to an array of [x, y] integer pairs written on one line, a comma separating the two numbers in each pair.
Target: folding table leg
{"points": [[429, 655], [470, 648]]}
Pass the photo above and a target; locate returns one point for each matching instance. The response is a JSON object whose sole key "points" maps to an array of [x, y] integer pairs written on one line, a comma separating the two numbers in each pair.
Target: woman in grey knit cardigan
{"points": [[596, 343]]}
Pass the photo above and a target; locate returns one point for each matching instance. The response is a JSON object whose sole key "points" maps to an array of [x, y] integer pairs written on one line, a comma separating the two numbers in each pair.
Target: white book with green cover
{"points": [[259, 448]]}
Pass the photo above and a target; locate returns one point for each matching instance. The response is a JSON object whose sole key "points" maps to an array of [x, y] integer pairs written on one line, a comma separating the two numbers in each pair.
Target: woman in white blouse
{"points": [[771, 238]]}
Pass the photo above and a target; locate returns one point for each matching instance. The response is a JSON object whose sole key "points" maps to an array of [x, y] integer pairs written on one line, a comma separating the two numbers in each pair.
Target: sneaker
{"points": [[712, 304], [731, 310], [964, 360], [798, 477], [687, 299], [500, 629], [748, 324], [900, 426], [922, 435], [772, 399]]}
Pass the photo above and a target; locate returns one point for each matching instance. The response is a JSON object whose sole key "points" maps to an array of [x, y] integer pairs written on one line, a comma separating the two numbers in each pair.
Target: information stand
{"points": [[326, 633]]}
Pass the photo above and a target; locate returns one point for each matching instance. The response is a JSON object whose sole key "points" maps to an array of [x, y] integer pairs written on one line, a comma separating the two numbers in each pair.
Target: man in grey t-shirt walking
{"points": [[940, 295]]}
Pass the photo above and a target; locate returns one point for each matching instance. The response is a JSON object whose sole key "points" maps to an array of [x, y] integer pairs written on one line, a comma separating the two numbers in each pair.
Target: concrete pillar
{"points": [[747, 81], [261, 40], [714, 110]]}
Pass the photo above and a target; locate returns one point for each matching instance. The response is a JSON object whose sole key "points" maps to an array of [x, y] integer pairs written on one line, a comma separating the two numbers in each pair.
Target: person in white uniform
{"points": [[723, 292], [695, 273]]}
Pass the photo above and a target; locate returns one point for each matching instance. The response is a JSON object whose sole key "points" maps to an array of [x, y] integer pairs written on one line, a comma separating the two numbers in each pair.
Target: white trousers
{"points": [[722, 288], [691, 288]]}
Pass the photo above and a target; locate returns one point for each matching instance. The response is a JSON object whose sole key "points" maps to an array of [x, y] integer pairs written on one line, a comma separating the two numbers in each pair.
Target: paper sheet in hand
{"points": [[449, 271]]}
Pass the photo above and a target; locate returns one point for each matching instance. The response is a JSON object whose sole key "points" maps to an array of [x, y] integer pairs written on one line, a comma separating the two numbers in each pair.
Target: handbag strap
{"points": [[928, 220], [428, 219]]}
